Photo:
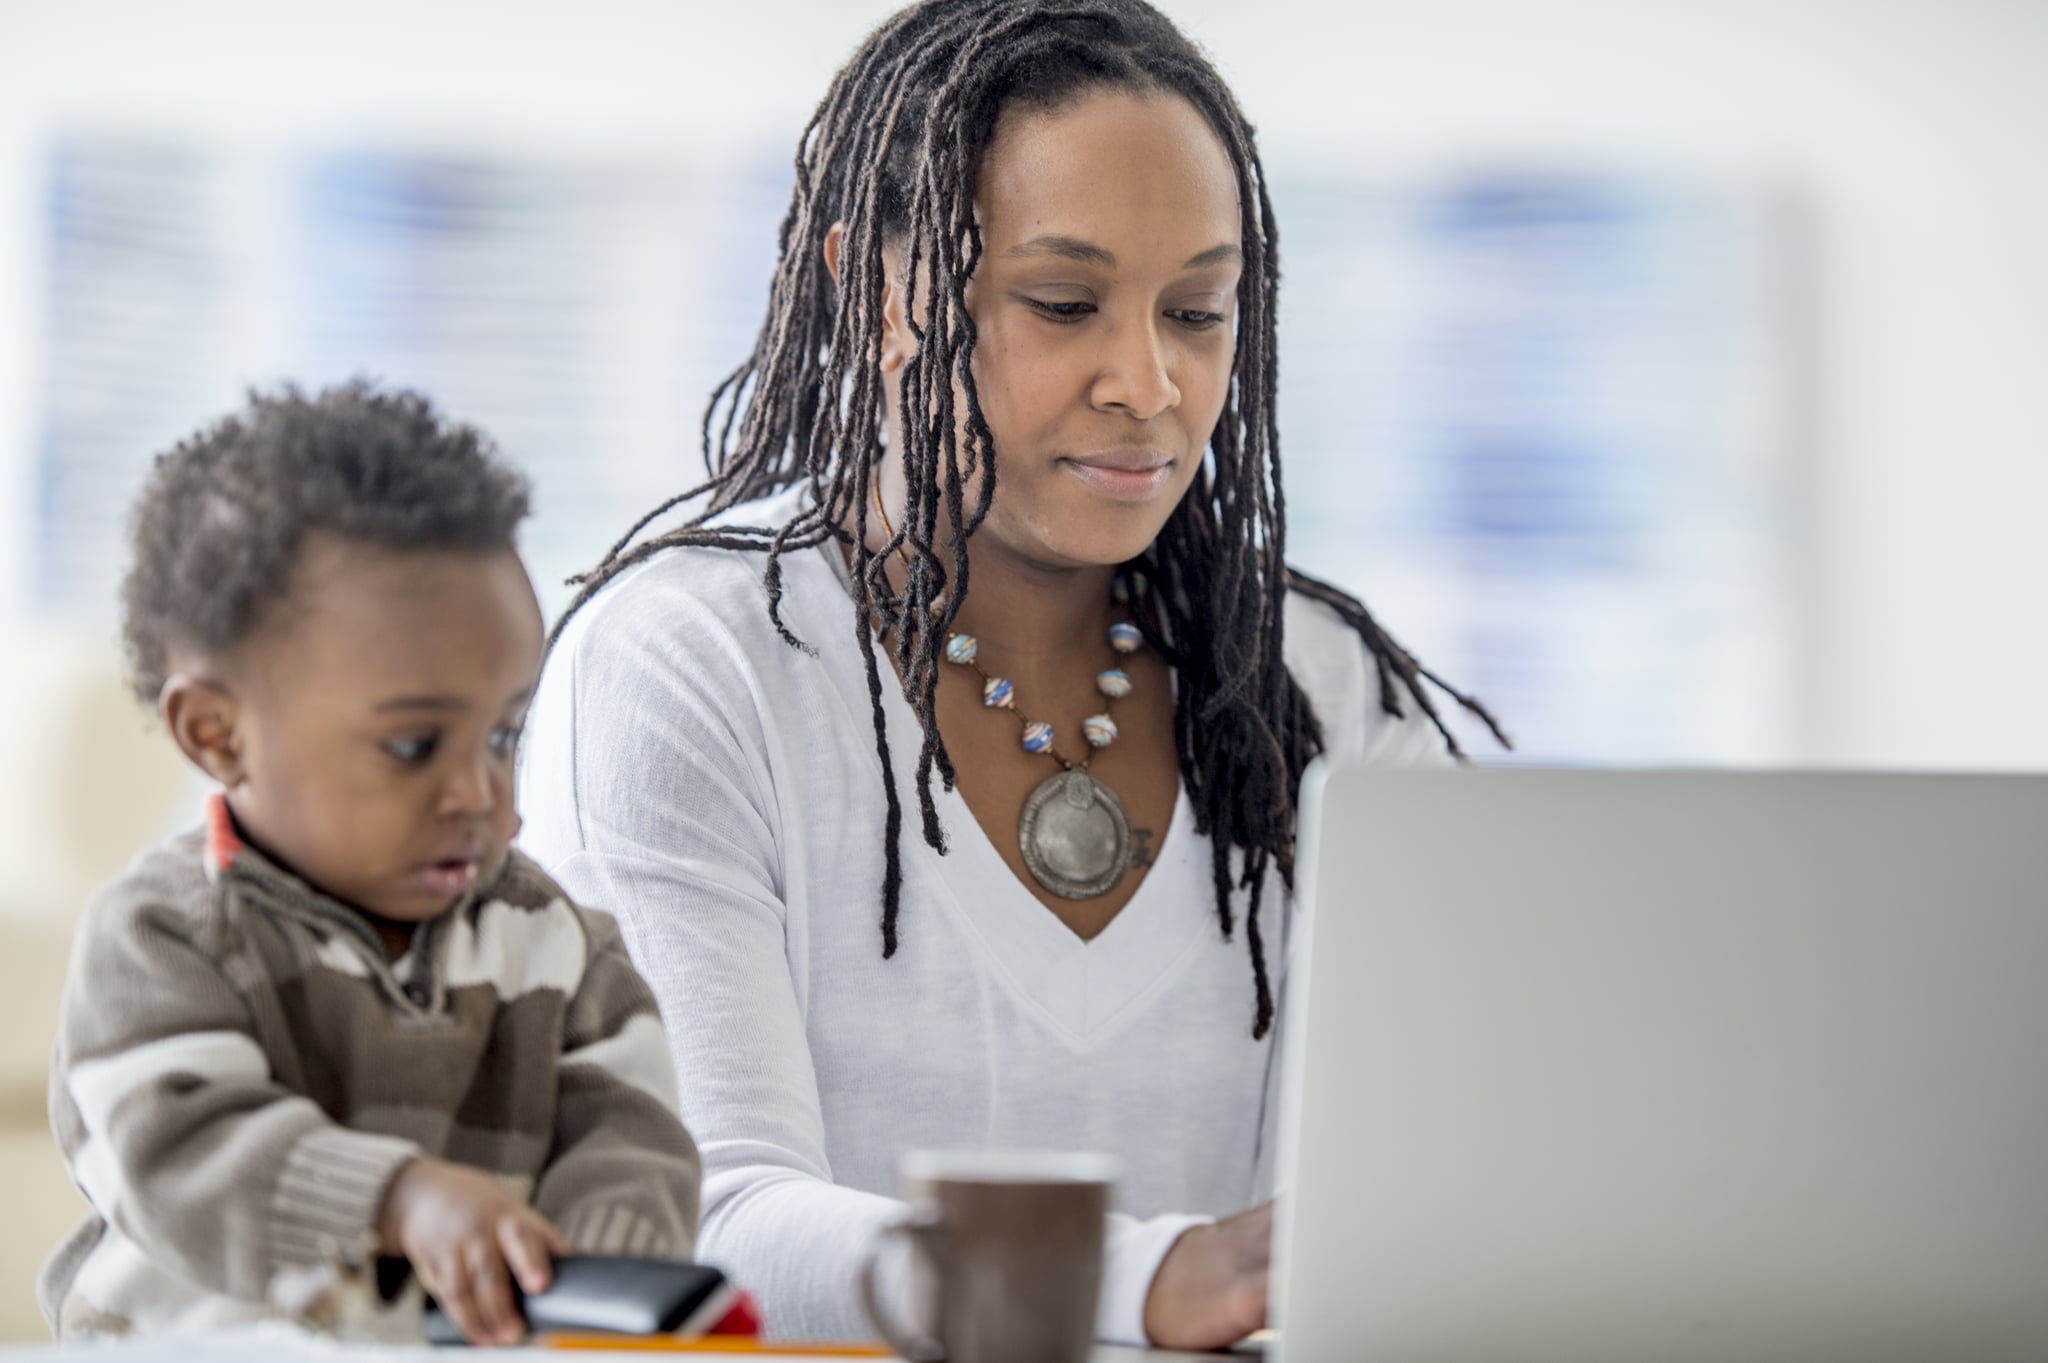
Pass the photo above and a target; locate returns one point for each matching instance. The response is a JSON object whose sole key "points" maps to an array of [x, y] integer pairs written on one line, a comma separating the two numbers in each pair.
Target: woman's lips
{"points": [[1123, 477]]}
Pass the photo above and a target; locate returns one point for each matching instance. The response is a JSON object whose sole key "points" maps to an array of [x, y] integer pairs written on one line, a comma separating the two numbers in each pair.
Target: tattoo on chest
{"points": [[1141, 847]]}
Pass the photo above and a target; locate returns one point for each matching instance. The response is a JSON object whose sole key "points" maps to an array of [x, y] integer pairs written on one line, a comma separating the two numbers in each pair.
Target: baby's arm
{"points": [[624, 1177], [174, 1123]]}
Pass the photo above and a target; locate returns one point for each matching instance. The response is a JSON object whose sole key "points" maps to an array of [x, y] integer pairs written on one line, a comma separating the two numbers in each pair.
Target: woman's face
{"points": [[1105, 304]]}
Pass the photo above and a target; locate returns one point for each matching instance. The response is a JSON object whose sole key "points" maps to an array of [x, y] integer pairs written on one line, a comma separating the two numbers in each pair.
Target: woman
{"points": [[995, 519]]}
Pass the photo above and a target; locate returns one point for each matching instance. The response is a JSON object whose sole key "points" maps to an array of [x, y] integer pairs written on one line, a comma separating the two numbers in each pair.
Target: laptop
{"points": [[1666, 1067]]}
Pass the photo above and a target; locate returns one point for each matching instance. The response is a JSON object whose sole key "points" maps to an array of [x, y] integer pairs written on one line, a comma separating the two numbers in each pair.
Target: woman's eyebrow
{"points": [[1229, 253], [1088, 253], [1066, 247]]}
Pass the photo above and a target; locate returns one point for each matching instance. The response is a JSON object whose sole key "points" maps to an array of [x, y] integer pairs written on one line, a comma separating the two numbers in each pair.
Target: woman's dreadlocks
{"points": [[892, 153]]}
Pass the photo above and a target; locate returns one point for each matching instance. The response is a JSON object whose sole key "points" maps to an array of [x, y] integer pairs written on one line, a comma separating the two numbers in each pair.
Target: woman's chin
{"points": [[1080, 531], [1082, 543]]}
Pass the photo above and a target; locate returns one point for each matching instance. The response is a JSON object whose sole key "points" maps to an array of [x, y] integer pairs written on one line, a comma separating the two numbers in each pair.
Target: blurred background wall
{"points": [[1669, 373]]}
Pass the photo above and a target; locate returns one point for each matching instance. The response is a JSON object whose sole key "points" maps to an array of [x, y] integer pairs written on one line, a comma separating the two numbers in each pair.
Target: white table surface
{"points": [[275, 1345]]}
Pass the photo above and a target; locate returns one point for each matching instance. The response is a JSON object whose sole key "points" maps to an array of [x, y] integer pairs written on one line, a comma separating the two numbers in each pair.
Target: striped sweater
{"points": [[240, 1071]]}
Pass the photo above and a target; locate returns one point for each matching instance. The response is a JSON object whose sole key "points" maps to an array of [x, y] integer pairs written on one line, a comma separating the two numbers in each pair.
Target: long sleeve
{"points": [[623, 1175], [676, 838], [168, 1112]]}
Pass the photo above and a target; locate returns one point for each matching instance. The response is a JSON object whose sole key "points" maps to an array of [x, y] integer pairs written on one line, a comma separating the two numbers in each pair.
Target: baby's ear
{"points": [[204, 717]]}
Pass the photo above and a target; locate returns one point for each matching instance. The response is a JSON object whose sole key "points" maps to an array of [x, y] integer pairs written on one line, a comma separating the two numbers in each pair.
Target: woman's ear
{"points": [[835, 239], [204, 718], [898, 345]]}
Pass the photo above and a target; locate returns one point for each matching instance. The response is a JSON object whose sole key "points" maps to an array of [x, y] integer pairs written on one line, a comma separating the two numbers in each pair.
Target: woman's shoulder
{"points": [[693, 594], [1332, 665]]}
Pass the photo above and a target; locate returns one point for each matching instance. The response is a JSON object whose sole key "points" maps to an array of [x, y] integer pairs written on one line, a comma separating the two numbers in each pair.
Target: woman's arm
{"points": [[647, 784], [772, 1216]]}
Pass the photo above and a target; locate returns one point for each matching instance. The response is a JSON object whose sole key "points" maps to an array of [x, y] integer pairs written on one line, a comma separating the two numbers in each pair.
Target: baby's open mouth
{"points": [[450, 875]]}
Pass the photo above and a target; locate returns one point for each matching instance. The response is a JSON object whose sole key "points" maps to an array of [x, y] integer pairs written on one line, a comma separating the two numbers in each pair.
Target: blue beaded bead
{"points": [[1113, 683], [1100, 730], [1037, 736], [995, 693], [960, 648], [1124, 637]]}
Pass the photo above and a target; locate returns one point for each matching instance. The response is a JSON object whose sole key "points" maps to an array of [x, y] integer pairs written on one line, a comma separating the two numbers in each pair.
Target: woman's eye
{"points": [[412, 750], [1196, 318], [504, 739], [1061, 312]]}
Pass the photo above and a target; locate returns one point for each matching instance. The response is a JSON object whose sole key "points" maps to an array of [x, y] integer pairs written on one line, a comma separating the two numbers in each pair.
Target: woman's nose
{"points": [[1134, 374]]}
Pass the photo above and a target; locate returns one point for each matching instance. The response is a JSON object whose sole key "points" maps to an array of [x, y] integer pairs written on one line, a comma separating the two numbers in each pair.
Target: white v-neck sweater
{"points": [[719, 792]]}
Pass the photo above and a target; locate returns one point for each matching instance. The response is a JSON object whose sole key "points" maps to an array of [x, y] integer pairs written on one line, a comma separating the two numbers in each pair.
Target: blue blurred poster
{"points": [[134, 311], [578, 310], [1546, 421]]}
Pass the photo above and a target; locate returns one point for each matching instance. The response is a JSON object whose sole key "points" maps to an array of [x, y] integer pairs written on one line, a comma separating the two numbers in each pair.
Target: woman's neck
{"points": [[1025, 611]]}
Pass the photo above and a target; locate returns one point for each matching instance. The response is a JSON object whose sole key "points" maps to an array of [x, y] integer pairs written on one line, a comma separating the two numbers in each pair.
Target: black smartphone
{"points": [[614, 1294]]}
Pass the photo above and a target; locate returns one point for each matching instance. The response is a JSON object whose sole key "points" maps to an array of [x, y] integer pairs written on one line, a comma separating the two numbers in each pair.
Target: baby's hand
{"points": [[461, 1230]]}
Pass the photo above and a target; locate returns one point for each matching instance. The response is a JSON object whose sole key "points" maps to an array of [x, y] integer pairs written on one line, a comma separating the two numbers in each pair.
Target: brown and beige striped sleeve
{"points": [[165, 1104], [624, 1178]]}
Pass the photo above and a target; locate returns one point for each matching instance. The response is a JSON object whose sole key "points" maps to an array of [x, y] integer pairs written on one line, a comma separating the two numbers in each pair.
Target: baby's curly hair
{"points": [[220, 523]]}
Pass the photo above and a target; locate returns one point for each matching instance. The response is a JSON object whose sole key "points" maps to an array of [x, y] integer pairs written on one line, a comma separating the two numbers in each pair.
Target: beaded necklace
{"points": [[1073, 833]]}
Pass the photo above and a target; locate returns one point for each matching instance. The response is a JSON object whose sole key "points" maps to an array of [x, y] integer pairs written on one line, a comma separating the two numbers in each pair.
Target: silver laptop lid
{"points": [[1661, 1066]]}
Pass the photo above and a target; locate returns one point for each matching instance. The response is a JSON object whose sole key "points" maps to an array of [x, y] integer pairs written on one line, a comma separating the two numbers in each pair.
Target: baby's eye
{"points": [[504, 739], [412, 751]]}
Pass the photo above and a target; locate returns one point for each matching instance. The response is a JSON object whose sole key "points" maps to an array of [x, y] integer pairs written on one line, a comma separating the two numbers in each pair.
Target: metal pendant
{"points": [[1074, 836]]}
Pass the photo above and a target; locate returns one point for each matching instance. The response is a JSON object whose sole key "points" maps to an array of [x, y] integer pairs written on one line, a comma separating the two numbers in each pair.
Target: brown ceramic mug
{"points": [[1006, 1257]]}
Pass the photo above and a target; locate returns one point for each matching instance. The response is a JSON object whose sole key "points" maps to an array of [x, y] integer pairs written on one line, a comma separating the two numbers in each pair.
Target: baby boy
{"points": [[344, 1019]]}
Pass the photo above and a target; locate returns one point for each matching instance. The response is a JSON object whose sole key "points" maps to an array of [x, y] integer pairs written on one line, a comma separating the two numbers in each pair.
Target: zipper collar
{"points": [[230, 859]]}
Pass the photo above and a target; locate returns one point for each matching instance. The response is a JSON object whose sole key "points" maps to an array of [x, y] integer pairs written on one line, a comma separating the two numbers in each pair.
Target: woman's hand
{"points": [[461, 1230], [1210, 1289]]}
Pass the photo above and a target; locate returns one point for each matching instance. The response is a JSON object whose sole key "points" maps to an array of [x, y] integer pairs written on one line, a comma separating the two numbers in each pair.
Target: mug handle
{"points": [[925, 1229]]}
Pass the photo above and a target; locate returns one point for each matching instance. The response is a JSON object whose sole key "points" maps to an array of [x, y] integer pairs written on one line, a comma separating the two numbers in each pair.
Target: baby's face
{"points": [[379, 719]]}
